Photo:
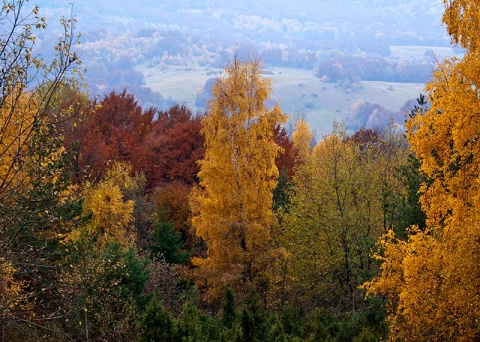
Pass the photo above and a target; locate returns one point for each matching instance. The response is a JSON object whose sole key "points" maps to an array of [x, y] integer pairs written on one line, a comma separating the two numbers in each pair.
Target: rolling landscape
{"points": [[164, 53], [296, 90]]}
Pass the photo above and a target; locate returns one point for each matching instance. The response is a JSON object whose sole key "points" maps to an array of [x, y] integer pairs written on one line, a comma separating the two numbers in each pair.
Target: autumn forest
{"points": [[125, 223]]}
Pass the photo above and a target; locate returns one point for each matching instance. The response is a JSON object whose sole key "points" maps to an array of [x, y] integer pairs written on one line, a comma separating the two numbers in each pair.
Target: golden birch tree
{"points": [[238, 175], [433, 279]]}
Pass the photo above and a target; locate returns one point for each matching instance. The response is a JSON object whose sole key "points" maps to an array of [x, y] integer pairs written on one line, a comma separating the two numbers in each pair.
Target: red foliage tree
{"points": [[285, 159], [164, 145], [173, 147], [114, 131]]}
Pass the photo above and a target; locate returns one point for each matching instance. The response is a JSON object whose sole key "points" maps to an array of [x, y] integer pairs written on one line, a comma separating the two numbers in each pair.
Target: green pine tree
{"points": [[167, 243], [157, 323]]}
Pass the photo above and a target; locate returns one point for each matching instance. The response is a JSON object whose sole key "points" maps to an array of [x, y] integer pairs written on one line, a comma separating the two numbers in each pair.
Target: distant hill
{"points": [[311, 23], [151, 47]]}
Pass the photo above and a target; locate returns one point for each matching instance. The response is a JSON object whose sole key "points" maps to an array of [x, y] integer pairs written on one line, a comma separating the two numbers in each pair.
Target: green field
{"points": [[418, 52], [295, 90]]}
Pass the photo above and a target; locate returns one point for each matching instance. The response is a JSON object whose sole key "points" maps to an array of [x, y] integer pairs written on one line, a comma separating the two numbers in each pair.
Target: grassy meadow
{"points": [[408, 51], [295, 90]]}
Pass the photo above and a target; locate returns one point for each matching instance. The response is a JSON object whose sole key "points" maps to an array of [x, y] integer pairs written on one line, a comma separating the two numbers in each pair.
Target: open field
{"points": [[418, 52], [295, 90]]}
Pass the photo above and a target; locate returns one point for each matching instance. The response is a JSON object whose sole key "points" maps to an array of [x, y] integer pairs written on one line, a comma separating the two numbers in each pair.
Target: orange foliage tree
{"points": [[173, 147], [433, 279], [113, 131], [164, 145], [238, 175], [286, 159]]}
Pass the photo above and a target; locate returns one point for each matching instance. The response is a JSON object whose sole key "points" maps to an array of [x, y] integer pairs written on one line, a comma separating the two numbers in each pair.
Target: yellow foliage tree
{"points": [[302, 140], [112, 215], [433, 279], [16, 125], [238, 175], [35, 197], [335, 215]]}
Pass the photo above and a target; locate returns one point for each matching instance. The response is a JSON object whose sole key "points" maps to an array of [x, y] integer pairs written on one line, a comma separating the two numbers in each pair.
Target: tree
{"points": [[27, 90], [286, 159], [335, 215], [173, 148], [157, 323], [112, 215], [238, 175], [38, 204], [253, 318], [163, 145], [167, 243], [286, 164], [229, 312], [433, 279], [103, 301], [302, 140], [114, 130], [170, 203]]}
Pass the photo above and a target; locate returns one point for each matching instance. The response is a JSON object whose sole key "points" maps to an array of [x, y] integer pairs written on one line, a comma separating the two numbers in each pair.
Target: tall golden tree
{"points": [[433, 279], [238, 175]]}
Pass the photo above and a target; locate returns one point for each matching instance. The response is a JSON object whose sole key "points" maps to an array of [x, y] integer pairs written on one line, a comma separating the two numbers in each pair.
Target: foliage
{"points": [[173, 148], [347, 69], [163, 145], [253, 318], [403, 205], [194, 324], [112, 216], [256, 324], [302, 140], [171, 284], [38, 204], [167, 243], [113, 130], [171, 203], [106, 292], [432, 279], [288, 155], [283, 232], [281, 191], [229, 313], [286, 164], [335, 214], [238, 175], [157, 323]]}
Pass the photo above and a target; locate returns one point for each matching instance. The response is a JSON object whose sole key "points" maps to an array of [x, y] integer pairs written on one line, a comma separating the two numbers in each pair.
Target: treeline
{"points": [[111, 61], [171, 37], [103, 247], [349, 69]]}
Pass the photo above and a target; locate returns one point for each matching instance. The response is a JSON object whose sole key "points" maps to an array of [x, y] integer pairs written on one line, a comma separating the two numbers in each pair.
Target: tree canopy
{"points": [[237, 176], [433, 278]]}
